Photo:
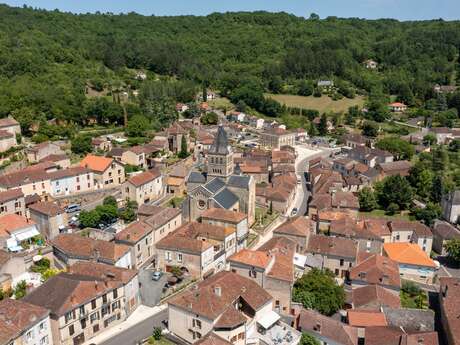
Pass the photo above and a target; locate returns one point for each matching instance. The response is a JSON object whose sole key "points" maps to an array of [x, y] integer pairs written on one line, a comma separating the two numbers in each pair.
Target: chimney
{"points": [[95, 284]]}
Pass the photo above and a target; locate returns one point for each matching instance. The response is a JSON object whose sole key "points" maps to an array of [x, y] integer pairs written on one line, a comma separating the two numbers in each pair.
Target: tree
{"points": [[48, 273], [20, 290], [305, 88], [370, 129], [81, 144], [322, 126], [308, 339], [318, 290], [429, 139], [89, 219], [452, 248], [398, 147], [367, 200], [395, 190], [424, 184], [437, 191], [183, 148], [137, 126], [107, 213], [440, 159], [429, 214], [210, 118], [110, 201]]}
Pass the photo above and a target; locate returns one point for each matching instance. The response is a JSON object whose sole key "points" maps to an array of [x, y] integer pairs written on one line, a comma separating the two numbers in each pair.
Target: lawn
{"points": [[220, 103], [412, 296], [322, 104], [382, 214]]}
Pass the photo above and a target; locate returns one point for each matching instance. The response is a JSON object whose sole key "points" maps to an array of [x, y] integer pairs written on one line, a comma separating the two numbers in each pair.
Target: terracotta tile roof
{"points": [[407, 253], [256, 258], [86, 248], [212, 339], [344, 200], [378, 226], [138, 150], [449, 294], [388, 335], [349, 227], [376, 269], [54, 158], [330, 214], [332, 246], [283, 250], [230, 318], [103, 271], [96, 163], [12, 222], [144, 177], [175, 181], [365, 318], [325, 327], [224, 215], [8, 122], [16, 317], [17, 179], [373, 297], [11, 194], [69, 292], [163, 216], [297, 226], [212, 297], [48, 208], [404, 225], [134, 232]]}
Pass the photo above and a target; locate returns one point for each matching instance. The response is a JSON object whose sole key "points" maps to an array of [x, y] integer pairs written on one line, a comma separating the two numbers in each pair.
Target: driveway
{"points": [[151, 291]]}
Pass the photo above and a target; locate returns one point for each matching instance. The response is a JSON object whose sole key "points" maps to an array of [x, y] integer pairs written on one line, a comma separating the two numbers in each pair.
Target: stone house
{"points": [[51, 219], [37, 152], [443, 232], [107, 171], [12, 201], [450, 204], [144, 187]]}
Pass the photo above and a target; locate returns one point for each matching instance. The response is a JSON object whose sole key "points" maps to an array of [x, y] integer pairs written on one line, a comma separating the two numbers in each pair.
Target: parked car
{"points": [[72, 208], [156, 276]]}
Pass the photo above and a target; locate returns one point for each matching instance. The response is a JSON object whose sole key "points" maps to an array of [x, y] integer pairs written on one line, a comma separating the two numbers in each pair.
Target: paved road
{"points": [[140, 331], [151, 291]]}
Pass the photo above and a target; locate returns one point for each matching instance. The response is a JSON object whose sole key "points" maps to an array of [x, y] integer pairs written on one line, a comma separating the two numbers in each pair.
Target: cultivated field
{"points": [[322, 104]]}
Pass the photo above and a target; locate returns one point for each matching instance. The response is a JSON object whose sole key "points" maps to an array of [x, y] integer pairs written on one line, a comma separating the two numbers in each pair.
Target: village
{"points": [[222, 234]]}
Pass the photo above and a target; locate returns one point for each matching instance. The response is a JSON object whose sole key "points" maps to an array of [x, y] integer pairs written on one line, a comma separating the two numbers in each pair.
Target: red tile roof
{"points": [[376, 269], [297, 226], [365, 318], [48, 208], [11, 194], [96, 163], [336, 246], [212, 297], [408, 253], [224, 215], [373, 297], [144, 177]]}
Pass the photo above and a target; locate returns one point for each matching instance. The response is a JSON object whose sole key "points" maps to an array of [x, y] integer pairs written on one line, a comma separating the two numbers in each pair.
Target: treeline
{"points": [[47, 59]]}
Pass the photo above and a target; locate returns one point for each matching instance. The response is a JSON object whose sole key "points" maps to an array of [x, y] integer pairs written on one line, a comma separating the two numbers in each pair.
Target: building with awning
{"points": [[14, 230]]}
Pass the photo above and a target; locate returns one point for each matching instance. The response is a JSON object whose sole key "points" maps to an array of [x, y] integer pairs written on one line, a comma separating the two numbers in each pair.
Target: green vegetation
{"points": [[210, 118], [20, 290], [175, 202], [308, 339], [453, 250], [107, 213], [323, 104], [81, 144], [412, 296], [318, 290], [183, 153], [81, 70], [401, 149]]}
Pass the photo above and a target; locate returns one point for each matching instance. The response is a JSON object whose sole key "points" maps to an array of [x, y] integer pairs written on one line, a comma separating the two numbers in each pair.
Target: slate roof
{"points": [[239, 181], [214, 185], [196, 177], [220, 145], [412, 320], [226, 198]]}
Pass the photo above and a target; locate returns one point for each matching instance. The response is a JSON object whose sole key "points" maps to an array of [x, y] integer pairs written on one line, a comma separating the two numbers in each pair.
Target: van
{"points": [[73, 208]]}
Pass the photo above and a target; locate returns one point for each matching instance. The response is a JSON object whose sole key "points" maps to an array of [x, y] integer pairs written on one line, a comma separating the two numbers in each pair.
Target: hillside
{"points": [[47, 59]]}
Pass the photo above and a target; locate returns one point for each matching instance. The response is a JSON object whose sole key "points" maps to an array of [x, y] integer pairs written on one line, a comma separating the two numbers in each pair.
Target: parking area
{"points": [[151, 290]]}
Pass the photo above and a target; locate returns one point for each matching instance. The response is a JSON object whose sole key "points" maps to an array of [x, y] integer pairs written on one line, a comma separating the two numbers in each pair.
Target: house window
{"points": [[95, 328], [241, 336], [179, 257], [83, 323], [196, 323], [94, 316], [44, 340], [138, 247], [42, 326], [105, 310], [93, 304], [29, 335], [82, 310], [115, 293], [78, 179], [234, 339], [252, 273], [397, 237], [341, 262], [168, 256], [104, 298], [71, 330], [68, 316], [115, 305]]}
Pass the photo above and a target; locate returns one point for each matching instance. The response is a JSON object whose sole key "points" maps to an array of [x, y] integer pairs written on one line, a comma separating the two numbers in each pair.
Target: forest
{"points": [[49, 59]]}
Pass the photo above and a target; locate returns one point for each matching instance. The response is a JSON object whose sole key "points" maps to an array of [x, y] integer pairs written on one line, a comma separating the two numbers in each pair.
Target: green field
{"points": [[323, 104]]}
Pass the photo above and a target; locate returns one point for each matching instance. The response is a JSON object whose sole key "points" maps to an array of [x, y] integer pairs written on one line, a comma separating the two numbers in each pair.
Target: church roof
{"points": [[226, 198], [220, 145], [196, 177], [239, 181], [214, 185]]}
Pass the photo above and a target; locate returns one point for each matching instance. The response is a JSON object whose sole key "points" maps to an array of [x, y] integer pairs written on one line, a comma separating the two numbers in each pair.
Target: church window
{"points": [[201, 204]]}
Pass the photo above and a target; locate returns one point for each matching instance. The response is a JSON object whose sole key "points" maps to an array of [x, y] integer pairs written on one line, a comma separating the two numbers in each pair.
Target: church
{"points": [[219, 186]]}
